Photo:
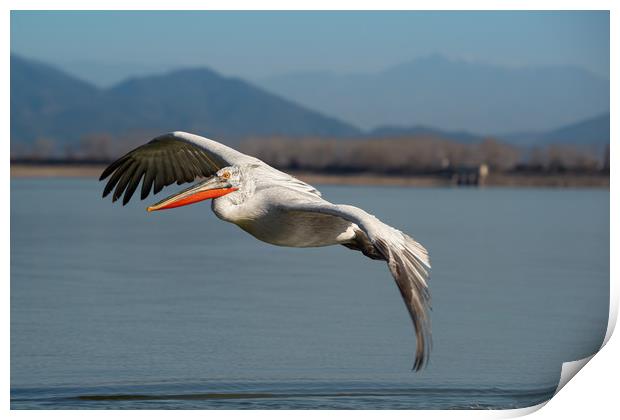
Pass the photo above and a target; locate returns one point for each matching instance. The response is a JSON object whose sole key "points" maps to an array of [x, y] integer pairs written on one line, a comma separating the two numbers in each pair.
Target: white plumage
{"points": [[274, 207]]}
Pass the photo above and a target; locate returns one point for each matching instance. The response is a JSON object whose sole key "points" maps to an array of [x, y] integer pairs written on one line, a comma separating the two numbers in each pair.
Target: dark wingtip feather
{"points": [[116, 175], [420, 362], [147, 182], [108, 171], [133, 183], [130, 169], [108, 187]]}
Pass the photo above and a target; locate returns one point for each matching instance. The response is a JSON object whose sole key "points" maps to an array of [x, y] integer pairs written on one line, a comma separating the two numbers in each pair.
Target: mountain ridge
{"points": [[64, 108], [456, 95], [48, 103]]}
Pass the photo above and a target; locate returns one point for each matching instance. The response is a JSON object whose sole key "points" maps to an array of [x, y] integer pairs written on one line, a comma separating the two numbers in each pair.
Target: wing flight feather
{"points": [[407, 260], [174, 157]]}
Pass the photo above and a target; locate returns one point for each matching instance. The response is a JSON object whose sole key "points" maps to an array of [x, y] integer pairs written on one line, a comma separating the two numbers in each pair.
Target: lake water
{"points": [[112, 307]]}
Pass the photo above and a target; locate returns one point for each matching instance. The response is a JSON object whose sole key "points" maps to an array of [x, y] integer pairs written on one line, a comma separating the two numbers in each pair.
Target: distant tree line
{"points": [[422, 155], [406, 155]]}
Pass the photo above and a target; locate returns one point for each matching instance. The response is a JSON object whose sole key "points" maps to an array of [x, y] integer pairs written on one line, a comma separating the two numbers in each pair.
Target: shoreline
{"points": [[493, 180]]}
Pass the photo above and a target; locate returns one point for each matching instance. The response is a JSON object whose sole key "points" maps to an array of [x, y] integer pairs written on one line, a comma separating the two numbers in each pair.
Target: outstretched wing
{"points": [[174, 157], [407, 260]]}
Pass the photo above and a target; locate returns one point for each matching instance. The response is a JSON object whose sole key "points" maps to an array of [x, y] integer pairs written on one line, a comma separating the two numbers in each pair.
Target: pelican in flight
{"points": [[274, 207]]}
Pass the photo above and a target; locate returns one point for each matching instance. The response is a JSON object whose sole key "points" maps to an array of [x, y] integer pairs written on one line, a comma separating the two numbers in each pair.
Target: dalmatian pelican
{"points": [[274, 207]]}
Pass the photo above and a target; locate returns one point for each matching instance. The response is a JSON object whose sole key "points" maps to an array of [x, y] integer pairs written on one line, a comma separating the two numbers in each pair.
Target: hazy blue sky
{"points": [[105, 47]]}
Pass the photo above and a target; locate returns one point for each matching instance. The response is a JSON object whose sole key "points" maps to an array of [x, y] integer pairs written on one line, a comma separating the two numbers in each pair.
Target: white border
{"points": [[592, 394]]}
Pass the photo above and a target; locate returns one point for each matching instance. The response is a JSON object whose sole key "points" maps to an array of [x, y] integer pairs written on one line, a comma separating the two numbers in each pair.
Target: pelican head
{"points": [[225, 181]]}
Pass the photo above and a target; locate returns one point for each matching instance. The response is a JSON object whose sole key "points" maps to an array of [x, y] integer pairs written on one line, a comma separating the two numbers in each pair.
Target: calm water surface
{"points": [[112, 307]]}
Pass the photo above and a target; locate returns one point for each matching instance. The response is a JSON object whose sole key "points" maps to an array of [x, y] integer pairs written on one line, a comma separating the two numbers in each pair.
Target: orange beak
{"points": [[213, 187]]}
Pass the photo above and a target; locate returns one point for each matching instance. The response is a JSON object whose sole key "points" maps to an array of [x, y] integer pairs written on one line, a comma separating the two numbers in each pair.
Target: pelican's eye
{"points": [[226, 175]]}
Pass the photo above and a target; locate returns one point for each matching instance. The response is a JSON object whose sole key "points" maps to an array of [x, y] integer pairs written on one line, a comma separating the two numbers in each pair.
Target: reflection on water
{"points": [[112, 307]]}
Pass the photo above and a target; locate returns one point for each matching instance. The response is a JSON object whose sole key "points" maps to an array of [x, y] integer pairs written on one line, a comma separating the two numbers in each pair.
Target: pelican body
{"points": [[274, 207]]}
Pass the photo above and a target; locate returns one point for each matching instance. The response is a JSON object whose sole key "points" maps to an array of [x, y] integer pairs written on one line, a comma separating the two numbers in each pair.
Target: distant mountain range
{"points": [[48, 103], [589, 132], [592, 131], [451, 94], [595, 130], [395, 131]]}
